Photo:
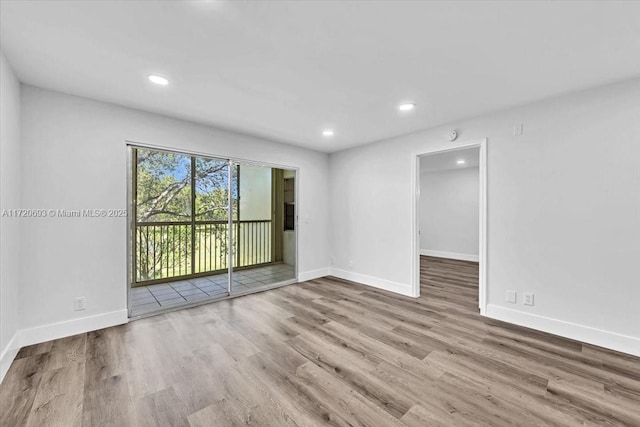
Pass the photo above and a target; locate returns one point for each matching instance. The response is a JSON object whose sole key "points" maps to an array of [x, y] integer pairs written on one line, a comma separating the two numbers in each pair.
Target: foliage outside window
{"points": [[181, 204]]}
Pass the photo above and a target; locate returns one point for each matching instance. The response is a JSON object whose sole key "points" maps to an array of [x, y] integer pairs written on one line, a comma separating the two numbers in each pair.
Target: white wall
{"points": [[255, 196], [255, 192], [9, 199], [74, 157], [449, 201], [563, 212]]}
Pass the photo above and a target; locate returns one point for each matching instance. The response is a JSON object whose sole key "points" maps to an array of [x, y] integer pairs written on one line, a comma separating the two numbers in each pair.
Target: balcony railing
{"points": [[165, 250]]}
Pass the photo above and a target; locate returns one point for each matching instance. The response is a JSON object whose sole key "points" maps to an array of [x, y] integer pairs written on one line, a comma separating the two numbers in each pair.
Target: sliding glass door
{"points": [[261, 240], [206, 228]]}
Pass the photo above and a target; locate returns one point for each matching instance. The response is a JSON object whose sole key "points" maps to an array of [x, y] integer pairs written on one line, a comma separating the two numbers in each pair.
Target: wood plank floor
{"points": [[326, 352]]}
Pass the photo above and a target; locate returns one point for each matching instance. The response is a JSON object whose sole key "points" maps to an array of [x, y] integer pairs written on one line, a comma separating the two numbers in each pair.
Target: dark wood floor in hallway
{"points": [[325, 352]]}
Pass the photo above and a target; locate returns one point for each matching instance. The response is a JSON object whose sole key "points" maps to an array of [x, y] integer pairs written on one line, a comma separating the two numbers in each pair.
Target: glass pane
{"points": [[163, 215], [163, 187], [212, 190], [264, 251], [253, 230]]}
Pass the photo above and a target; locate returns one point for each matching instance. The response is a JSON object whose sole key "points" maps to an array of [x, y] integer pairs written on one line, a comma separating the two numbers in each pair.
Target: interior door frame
{"points": [[415, 223], [129, 146]]}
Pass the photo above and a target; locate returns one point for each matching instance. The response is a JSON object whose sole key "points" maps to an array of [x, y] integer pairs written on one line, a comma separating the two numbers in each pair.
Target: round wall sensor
{"points": [[452, 135]]}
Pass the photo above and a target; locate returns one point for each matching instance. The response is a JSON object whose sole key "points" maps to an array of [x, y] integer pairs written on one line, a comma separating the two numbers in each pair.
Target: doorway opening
{"points": [[204, 228], [450, 219]]}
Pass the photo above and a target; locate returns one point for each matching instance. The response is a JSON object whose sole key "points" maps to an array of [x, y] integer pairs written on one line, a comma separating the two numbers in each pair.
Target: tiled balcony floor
{"points": [[147, 299]]}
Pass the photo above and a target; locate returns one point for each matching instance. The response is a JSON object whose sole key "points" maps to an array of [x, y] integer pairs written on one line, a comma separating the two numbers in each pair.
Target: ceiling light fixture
{"points": [[328, 132], [407, 106], [461, 162], [159, 80]]}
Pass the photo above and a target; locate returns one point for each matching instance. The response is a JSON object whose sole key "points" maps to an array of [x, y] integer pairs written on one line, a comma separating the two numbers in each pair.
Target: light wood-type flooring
{"points": [[325, 352]]}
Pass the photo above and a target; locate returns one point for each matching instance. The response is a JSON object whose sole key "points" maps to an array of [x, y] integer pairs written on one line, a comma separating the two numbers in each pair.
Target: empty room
{"points": [[307, 213]]}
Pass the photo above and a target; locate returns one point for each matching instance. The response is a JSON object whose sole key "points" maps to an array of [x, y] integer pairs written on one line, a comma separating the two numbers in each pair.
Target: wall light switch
{"points": [[511, 297]]}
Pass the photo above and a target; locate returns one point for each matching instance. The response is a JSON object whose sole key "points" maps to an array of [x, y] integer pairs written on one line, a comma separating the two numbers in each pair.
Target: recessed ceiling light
{"points": [[407, 106], [159, 80], [461, 162], [328, 132]]}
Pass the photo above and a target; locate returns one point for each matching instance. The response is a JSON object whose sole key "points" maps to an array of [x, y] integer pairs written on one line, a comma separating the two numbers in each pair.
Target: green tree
{"points": [[163, 195]]}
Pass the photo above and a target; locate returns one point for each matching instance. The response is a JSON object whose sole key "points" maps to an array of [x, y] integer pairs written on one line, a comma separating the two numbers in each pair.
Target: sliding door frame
{"points": [[131, 147], [230, 239]]}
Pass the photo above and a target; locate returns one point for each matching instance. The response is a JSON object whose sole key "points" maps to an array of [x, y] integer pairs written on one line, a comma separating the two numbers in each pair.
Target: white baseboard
{"points": [[387, 285], [52, 331], [363, 279], [610, 340], [313, 274], [450, 255], [67, 328], [8, 354]]}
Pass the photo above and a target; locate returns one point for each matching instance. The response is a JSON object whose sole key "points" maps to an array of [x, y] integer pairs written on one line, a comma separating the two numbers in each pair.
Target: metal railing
{"points": [[168, 250]]}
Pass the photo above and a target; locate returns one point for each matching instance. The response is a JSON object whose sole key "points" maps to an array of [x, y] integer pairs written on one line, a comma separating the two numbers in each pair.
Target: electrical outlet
{"points": [[80, 303], [332, 261], [528, 298], [511, 297], [351, 264], [518, 129]]}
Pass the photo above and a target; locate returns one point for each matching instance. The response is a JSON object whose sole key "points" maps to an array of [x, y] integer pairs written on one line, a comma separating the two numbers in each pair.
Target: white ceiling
{"points": [[448, 160], [286, 70]]}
